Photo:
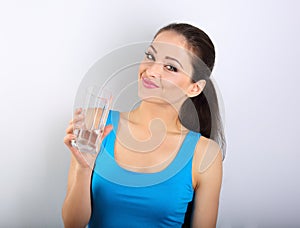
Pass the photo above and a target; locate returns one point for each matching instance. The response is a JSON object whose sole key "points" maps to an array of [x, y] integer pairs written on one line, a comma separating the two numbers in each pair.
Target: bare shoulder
{"points": [[207, 162]]}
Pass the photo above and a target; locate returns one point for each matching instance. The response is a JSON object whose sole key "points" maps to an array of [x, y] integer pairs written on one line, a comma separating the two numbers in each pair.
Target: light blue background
{"points": [[47, 46]]}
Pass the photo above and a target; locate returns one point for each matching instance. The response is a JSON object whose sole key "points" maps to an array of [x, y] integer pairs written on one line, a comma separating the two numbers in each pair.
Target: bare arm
{"points": [[76, 210], [208, 178]]}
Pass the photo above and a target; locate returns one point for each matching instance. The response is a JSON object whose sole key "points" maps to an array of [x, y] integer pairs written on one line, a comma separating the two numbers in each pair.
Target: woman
{"points": [[171, 171]]}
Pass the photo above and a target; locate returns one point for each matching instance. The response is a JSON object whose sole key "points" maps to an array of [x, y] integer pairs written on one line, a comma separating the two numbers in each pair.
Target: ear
{"points": [[196, 88]]}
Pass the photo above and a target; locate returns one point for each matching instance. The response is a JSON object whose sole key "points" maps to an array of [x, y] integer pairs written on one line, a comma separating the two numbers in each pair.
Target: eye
{"points": [[171, 68], [149, 56]]}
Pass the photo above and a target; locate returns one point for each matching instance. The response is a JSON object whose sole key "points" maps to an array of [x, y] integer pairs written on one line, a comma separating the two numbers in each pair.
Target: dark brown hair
{"points": [[200, 113]]}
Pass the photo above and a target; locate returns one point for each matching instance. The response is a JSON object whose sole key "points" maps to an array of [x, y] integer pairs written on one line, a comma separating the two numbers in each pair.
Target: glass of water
{"points": [[94, 113]]}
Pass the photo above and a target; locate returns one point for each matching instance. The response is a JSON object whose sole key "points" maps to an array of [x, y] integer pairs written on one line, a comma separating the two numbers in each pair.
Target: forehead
{"points": [[171, 41], [171, 37], [172, 44]]}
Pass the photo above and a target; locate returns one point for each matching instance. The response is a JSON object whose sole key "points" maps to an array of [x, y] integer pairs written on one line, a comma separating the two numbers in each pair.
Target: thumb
{"points": [[107, 130]]}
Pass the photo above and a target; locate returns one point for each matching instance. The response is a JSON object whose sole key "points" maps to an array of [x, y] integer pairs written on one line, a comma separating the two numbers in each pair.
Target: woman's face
{"points": [[165, 73]]}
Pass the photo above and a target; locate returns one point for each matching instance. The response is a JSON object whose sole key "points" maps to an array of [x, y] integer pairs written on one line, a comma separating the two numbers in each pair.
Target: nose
{"points": [[154, 70]]}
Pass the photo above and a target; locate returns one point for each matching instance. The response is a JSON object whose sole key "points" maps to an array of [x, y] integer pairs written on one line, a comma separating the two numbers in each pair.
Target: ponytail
{"points": [[202, 114]]}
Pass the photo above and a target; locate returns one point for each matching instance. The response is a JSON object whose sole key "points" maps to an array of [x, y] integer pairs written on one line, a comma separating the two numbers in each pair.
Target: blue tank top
{"points": [[123, 198]]}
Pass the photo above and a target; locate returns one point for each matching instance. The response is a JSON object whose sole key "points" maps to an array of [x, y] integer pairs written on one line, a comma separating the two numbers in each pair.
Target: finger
{"points": [[78, 118], [75, 123], [68, 138], [107, 130], [69, 129], [78, 111]]}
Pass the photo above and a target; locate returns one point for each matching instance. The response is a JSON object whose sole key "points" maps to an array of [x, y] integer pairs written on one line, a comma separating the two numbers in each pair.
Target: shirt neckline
{"points": [[175, 161]]}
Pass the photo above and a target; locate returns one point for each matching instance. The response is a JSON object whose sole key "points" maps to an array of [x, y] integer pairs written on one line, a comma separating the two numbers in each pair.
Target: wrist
{"points": [[83, 171]]}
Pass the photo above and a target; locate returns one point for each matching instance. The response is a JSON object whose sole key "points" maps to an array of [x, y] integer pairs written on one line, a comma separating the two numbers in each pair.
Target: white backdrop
{"points": [[47, 46]]}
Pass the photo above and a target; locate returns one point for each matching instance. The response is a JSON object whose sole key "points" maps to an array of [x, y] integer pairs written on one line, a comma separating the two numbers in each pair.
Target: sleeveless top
{"points": [[123, 198]]}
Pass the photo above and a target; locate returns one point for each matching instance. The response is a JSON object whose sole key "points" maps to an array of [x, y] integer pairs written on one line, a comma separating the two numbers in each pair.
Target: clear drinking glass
{"points": [[94, 114]]}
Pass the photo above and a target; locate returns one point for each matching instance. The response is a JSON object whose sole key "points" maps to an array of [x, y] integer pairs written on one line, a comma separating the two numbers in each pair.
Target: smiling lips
{"points": [[148, 83]]}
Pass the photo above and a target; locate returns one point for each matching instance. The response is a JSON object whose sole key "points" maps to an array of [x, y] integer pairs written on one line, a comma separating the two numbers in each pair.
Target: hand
{"points": [[84, 160]]}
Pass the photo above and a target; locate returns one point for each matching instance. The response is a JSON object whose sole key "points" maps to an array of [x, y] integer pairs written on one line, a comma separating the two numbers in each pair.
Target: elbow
{"points": [[70, 221], [66, 219]]}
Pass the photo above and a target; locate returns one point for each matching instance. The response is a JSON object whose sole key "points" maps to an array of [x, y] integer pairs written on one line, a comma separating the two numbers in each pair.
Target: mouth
{"points": [[148, 83]]}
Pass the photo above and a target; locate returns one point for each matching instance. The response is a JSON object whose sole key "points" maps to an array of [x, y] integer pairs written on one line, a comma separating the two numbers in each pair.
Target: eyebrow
{"points": [[167, 57], [153, 49]]}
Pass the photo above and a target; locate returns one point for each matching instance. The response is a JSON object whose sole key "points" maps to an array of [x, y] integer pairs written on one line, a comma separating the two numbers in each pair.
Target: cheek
{"points": [[142, 68], [143, 65], [178, 83]]}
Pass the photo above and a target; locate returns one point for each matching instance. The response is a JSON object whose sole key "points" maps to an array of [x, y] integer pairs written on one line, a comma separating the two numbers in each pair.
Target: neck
{"points": [[165, 113]]}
